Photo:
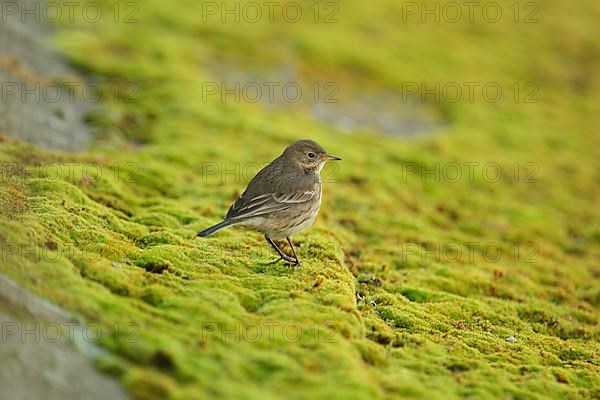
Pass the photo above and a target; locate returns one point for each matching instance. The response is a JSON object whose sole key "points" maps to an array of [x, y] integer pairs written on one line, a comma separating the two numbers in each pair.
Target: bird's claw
{"points": [[288, 259]]}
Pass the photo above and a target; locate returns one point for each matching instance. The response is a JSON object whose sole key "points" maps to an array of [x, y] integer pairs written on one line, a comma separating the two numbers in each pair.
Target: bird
{"points": [[283, 198]]}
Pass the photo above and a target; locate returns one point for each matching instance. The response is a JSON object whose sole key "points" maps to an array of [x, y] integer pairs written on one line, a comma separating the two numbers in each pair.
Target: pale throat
{"points": [[320, 167], [316, 169]]}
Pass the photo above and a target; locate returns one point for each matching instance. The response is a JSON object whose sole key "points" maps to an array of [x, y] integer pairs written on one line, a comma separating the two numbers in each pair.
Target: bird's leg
{"points": [[289, 240], [282, 255]]}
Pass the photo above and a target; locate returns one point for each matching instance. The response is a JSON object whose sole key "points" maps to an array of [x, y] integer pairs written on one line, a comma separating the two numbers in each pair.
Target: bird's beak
{"points": [[328, 157]]}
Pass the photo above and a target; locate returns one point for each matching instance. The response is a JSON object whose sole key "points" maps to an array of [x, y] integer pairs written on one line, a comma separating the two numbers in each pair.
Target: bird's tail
{"points": [[217, 227]]}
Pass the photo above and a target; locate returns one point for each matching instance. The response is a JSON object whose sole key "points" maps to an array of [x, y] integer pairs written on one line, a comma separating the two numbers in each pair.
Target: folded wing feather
{"points": [[266, 204]]}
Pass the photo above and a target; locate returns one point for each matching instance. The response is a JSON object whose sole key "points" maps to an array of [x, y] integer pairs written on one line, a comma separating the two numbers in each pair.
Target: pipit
{"points": [[283, 198]]}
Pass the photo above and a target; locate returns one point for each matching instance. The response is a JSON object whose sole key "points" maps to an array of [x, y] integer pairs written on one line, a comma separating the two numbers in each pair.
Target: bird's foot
{"points": [[288, 259], [282, 255]]}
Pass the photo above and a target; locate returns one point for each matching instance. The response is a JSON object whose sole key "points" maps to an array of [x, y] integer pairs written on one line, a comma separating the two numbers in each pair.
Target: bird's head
{"points": [[308, 154]]}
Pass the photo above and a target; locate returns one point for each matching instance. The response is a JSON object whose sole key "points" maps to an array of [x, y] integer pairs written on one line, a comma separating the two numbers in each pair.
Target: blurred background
{"points": [[456, 253]]}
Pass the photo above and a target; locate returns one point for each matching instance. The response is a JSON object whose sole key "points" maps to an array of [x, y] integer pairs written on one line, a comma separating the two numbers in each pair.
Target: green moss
{"points": [[416, 295], [410, 283]]}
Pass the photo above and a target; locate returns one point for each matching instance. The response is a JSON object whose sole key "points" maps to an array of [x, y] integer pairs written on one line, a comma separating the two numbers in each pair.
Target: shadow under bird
{"points": [[283, 198]]}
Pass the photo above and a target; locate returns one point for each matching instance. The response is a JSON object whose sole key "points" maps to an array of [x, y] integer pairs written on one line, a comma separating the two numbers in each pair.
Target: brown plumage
{"points": [[283, 198]]}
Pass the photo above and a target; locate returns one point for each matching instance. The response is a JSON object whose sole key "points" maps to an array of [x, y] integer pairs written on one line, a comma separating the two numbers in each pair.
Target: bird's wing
{"points": [[267, 203]]}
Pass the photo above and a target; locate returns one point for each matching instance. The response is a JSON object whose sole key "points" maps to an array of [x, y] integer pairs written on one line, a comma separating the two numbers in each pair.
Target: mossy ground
{"points": [[386, 303]]}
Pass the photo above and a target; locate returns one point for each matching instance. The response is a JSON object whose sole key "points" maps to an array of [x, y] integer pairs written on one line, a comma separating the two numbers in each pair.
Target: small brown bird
{"points": [[283, 198]]}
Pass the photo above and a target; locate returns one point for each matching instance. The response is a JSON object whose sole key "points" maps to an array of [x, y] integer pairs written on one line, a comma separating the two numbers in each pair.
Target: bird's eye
{"points": [[310, 155]]}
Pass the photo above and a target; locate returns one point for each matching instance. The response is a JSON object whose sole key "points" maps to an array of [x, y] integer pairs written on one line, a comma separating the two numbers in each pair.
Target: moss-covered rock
{"points": [[412, 280]]}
